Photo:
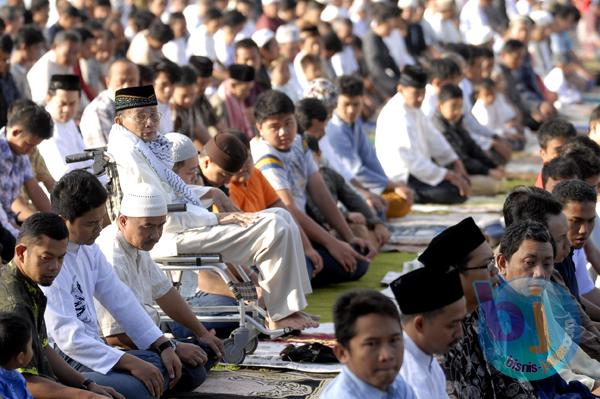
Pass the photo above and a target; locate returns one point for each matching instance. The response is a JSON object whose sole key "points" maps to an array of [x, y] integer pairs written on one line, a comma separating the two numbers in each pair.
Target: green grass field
{"points": [[322, 299]]}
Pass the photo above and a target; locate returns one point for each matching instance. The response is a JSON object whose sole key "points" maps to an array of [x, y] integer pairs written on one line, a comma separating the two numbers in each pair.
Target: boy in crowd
{"points": [[247, 53], [369, 344], [203, 109], [64, 93], [15, 346], [166, 73], [345, 145], [281, 156], [557, 170], [412, 150], [229, 101], [38, 258], [28, 124], [312, 67], [185, 120], [552, 135], [485, 174]]}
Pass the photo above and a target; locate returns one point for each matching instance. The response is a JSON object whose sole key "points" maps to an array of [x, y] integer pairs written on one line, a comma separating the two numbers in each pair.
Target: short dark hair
{"points": [[310, 59], [142, 19], [560, 168], [31, 118], [331, 42], [71, 36], [160, 32], [233, 18], [37, 5], [512, 46], [308, 109], [77, 193], [102, 3], [6, 44], [247, 44], [485, 52], [43, 224], [270, 103], [529, 203], [28, 35], [357, 303], [553, 129], [167, 67], [10, 13], [175, 16], [484, 84], [449, 92], [584, 156], [565, 11], [515, 234], [351, 86], [212, 14], [382, 12], [574, 191], [146, 73], [187, 76], [443, 69], [15, 333]]}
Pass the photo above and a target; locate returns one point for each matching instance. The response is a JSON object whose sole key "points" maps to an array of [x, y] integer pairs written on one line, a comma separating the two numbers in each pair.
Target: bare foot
{"points": [[295, 321], [314, 317]]}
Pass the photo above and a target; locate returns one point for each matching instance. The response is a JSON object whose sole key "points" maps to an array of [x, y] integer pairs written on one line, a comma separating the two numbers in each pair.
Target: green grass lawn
{"points": [[322, 299]]}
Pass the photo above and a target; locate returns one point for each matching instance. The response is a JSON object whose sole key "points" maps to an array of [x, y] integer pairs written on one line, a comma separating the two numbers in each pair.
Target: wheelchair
{"points": [[248, 314]]}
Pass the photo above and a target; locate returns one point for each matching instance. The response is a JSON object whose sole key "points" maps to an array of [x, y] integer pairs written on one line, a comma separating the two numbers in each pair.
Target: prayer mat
{"points": [[475, 204], [255, 384]]}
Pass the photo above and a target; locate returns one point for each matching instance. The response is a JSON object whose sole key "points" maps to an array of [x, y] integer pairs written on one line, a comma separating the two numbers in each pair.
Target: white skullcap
{"points": [[287, 34], [541, 18], [143, 200], [182, 147], [269, 2], [331, 13], [479, 36], [262, 37], [402, 4]]}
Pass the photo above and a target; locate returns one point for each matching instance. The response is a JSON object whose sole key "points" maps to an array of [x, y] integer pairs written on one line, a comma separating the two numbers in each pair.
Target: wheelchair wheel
{"points": [[251, 346], [233, 354]]}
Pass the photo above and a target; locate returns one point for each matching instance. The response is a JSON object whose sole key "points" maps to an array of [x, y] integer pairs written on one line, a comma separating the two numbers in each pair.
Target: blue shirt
{"points": [[348, 386], [15, 170], [13, 385], [348, 144]]}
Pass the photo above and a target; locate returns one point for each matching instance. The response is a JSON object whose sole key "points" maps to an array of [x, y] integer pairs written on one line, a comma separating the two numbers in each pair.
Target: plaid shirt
{"points": [[97, 119], [15, 170]]}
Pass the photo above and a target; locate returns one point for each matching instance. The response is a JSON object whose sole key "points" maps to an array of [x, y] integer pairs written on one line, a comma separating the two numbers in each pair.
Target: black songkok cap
{"points": [[413, 76], [135, 97], [203, 65], [242, 73], [452, 245], [426, 289], [227, 151], [64, 82]]}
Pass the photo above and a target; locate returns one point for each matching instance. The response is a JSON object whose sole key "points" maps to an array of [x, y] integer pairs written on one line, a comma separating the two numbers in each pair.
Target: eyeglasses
{"points": [[490, 266], [154, 117]]}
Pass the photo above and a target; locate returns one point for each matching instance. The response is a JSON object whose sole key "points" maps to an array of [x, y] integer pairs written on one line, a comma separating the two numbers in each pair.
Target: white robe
{"points": [[40, 73], [422, 372], [406, 141], [66, 140]]}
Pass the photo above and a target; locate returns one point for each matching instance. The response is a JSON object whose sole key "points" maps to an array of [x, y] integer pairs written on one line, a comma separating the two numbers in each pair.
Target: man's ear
{"points": [[122, 221], [20, 252], [501, 262], [13, 131], [342, 354], [418, 323], [258, 128]]}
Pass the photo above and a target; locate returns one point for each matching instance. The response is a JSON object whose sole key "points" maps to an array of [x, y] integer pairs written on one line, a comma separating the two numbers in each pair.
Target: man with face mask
{"points": [[431, 323]]}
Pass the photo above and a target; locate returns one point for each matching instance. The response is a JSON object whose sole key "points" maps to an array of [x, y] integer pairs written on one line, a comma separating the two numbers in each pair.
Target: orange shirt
{"points": [[256, 195]]}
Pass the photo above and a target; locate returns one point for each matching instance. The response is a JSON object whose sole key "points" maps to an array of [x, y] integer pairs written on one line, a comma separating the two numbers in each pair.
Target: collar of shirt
{"points": [[417, 353], [73, 248], [33, 290], [5, 146], [363, 389], [128, 249]]}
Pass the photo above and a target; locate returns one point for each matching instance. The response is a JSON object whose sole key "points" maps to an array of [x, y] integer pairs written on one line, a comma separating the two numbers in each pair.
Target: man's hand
{"points": [[222, 202], [463, 186], [459, 168], [105, 391], [172, 364], [547, 110], [214, 342], [376, 202], [244, 219], [316, 260], [497, 174], [149, 374], [365, 246], [345, 254], [405, 192], [502, 148], [381, 233], [356, 218], [191, 354]]}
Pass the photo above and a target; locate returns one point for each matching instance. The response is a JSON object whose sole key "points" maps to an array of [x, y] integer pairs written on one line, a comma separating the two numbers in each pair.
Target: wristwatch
{"points": [[86, 384], [166, 345]]}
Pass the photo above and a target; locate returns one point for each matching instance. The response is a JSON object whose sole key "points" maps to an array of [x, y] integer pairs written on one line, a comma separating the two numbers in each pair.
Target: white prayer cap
{"points": [[262, 37], [182, 147], [143, 200], [287, 33], [331, 13], [269, 2], [402, 4], [479, 36], [541, 18]]}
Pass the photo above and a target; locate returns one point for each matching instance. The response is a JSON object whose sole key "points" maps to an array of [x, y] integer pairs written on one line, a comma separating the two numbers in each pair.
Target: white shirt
{"points": [[40, 73], [472, 17], [225, 52], [397, 47], [344, 63], [298, 71], [71, 316], [430, 101], [445, 30], [201, 43], [192, 17], [140, 51], [584, 281], [406, 141], [65, 140], [137, 270], [176, 51], [422, 372], [134, 168], [166, 118], [494, 116]]}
